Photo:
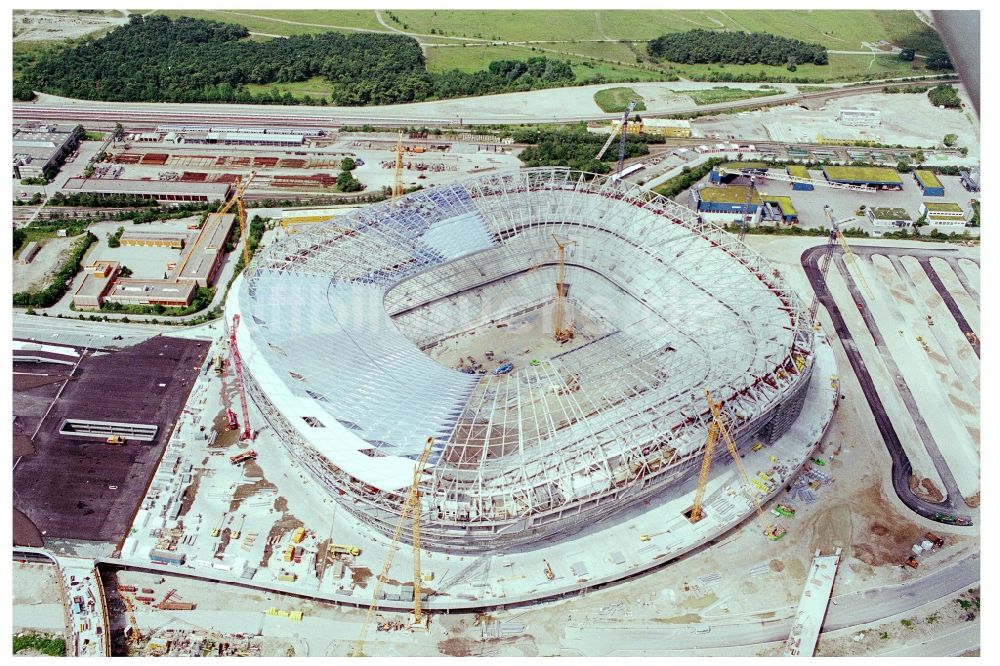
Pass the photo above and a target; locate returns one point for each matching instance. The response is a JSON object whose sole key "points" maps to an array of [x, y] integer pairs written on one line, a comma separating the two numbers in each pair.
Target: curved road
{"points": [[902, 469], [848, 610]]}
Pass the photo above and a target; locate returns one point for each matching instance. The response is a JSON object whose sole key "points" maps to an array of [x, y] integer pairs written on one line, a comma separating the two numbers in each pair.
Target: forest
{"points": [[576, 148], [156, 59], [742, 48]]}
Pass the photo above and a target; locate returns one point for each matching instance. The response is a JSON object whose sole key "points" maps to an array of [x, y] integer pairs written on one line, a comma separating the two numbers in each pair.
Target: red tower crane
{"points": [[234, 353]]}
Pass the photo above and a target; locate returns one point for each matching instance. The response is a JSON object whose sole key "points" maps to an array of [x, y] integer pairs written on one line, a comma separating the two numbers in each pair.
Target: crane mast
{"points": [[397, 181], [234, 353], [561, 334], [718, 428], [411, 512]]}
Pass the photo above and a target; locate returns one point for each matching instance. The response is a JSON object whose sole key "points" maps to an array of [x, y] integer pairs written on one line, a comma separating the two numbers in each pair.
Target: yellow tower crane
{"points": [[397, 182], [411, 512], [236, 200], [561, 334], [716, 429], [848, 254]]}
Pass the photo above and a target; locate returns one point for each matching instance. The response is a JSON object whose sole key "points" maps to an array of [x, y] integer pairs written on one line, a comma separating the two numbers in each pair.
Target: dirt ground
{"points": [[40, 25], [35, 584], [37, 275]]}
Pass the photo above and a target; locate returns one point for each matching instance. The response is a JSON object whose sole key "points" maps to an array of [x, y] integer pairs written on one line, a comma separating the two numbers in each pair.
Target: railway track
{"points": [[99, 115]]}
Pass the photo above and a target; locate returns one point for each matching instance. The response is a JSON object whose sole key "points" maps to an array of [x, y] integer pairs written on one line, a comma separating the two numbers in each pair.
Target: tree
{"points": [[347, 164], [938, 61], [119, 132], [950, 139], [125, 272], [908, 55], [348, 183]]}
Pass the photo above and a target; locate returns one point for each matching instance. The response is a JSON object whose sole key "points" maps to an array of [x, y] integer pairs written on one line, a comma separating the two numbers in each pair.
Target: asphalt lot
{"points": [[86, 490]]}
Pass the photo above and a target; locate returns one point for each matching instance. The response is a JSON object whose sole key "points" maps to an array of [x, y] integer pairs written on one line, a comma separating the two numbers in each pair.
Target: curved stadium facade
{"points": [[343, 324]]}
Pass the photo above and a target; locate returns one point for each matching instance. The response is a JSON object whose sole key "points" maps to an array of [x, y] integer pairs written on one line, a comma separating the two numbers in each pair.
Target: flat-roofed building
{"points": [[168, 293], [39, 149], [171, 239], [780, 206], [240, 139], [29, 252], [202, 259], [877, 177], [799, 171], [888, 219], [97, 281], [666, 127], [929, 183], [860, 117], [943, 214], [155, 190], [970, 179], [727, 203]]}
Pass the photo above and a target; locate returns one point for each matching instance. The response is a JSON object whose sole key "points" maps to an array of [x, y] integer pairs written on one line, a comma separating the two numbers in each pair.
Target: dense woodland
{"points": [[156, 59], [576, 148], [742, 48]]}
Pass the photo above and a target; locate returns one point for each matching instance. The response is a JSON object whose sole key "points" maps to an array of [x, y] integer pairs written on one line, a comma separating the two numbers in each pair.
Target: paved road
{"points": [[952, 644], [902, 469], [849, 610]]}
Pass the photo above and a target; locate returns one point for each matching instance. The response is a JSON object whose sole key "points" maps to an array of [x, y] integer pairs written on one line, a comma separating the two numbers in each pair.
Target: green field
{"points": [[474, 58], [316, 87], [721, 94], [615, 100], [288, 22]]}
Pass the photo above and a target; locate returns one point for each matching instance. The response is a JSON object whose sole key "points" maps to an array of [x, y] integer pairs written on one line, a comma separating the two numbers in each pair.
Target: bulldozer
{"points": [[115, 440]]}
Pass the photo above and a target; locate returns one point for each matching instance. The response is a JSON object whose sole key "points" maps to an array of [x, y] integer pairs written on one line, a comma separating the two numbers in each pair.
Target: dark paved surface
{"points": [[902, 469], [64, 486], [949, 301]]}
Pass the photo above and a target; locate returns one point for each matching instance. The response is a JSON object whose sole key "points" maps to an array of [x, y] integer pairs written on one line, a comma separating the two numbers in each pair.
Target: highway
{"points": [[846, 611], [133, 114]]}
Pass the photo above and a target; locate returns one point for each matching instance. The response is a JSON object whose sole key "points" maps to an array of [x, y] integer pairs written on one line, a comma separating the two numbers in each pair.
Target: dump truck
{"points": [[784, 510], [116, 440], [912, 562], [934, 539]]}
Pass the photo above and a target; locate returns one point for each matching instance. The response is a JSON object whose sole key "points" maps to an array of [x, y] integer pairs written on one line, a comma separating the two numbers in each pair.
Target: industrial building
{"points": [[943, 214], [888, 219], [799, 171], [171, 239], [929, 183], [98, 279], [881, 178], [158, 190], [40, 149], [657, 126], [29, 252], [970, 179], [168, 293], [860, 117], [727, 203], [203, 257], [236, 139], [779, 208], [351, 340]]}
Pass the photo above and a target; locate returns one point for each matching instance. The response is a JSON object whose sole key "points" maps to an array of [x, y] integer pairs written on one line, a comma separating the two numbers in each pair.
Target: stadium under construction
{"points": [[555, 335]]}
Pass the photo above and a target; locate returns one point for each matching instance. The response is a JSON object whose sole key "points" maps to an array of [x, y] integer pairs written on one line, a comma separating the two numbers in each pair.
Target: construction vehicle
{"points": [[232, 423], [912, 562], [239, 530], [243, 456], [234, 352], [216, 531], [717, 428], [549, 573], [934, 539], [337, 549], [783, 510], [561, 334], [116, 440], [411, 511], [649, 537]]}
